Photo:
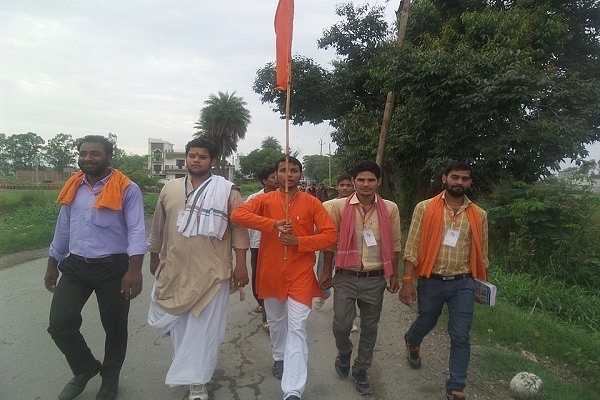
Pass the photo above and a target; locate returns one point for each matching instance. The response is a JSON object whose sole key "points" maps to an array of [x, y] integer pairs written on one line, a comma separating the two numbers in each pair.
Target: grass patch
{"points": [[28, 228], [150, 200], [13, 200], [496, 367]]}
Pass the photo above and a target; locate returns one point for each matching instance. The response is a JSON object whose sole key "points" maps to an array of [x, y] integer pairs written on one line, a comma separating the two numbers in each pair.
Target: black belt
{"points": [[360, 274], [107, 259], [449, 277]]}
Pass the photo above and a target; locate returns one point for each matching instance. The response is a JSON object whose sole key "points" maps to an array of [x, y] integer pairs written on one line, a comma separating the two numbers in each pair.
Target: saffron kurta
{"points": [[190, 269], [314, 229]]}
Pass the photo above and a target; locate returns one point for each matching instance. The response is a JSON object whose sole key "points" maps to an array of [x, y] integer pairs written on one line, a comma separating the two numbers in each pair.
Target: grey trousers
{"points": [[367, 294]]}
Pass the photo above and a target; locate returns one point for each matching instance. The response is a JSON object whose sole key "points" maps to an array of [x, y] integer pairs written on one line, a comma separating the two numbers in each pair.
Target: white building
{"points": [[165, 161]]}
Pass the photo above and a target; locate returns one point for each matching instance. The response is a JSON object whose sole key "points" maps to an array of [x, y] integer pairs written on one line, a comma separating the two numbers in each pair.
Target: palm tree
{"points": [[271, 143], [225, 120]]}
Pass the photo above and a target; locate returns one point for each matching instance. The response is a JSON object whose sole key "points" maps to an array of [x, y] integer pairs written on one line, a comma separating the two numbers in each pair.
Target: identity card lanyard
{"points": [[451, 236]]}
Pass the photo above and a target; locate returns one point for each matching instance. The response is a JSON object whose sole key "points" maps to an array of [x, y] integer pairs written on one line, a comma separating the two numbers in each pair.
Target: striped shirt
{"points": [[450, 260]]}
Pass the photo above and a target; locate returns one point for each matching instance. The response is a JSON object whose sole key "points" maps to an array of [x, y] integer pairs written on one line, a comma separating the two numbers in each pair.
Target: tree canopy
{"points": [[61, 152], [268, 154], [511, 87], [225, 120], [21, 152]]}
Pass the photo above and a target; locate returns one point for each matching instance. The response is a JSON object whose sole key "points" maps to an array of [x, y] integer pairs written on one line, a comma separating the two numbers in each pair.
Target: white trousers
{"points": [[288, 321], [196, 340]]}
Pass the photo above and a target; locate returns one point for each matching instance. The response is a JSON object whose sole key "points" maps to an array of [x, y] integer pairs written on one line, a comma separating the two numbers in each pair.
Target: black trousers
{"points": [[74, 288]]}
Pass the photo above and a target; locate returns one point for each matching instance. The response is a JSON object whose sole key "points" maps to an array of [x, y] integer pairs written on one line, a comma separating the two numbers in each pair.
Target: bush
{"points": [[549, 228]]}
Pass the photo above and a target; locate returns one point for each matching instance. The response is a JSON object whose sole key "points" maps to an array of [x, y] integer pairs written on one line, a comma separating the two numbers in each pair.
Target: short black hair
{"points": [[366, 165], [292, 160], [203, 143], [343, 178], [264, 173], [459, 166], [107, 144]]}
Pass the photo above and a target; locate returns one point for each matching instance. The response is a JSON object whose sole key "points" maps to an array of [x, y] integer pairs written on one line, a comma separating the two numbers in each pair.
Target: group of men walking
{"points": [[198, 244]]}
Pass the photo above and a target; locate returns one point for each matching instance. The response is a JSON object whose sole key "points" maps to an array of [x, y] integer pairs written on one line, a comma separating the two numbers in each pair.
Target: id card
{"points": [[451, 237], [369, 236]]}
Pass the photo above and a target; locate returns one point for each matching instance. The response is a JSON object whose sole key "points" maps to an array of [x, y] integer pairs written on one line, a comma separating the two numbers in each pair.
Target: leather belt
{"points": [[360, 274], [101, 260], [449, 277]]}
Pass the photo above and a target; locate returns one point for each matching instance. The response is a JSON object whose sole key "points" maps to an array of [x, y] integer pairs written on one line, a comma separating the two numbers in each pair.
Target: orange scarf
{"points": [[110, 197], [431, 239]]}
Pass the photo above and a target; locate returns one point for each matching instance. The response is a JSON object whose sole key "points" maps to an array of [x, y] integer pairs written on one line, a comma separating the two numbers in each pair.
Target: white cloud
{"points": [[143, 68]]}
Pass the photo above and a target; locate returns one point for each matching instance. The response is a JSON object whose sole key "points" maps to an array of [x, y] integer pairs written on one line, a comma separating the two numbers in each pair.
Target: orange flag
{"points": [[284, 27]]}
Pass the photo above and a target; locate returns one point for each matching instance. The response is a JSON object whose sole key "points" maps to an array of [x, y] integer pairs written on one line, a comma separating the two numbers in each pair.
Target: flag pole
{"points": [[284, 21], [287, 149]]}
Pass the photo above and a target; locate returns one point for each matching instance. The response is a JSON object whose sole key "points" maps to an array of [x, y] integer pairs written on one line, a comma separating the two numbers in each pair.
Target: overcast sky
{"points": [[143, 68]]}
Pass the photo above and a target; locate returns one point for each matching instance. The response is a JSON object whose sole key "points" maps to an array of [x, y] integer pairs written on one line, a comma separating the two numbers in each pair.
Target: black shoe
{"points": [[342, 364], [76, 386], [277, 369], [361, 382], [292, 397], [412, 355], [108, 389]]}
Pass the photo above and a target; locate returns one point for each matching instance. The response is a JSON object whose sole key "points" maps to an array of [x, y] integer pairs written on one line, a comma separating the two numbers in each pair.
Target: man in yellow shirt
{"points": [[368, 252], [447, 247]]}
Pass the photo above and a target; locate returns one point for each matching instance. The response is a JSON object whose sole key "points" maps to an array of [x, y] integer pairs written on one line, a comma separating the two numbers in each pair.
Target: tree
{"points": [[118, 153], [258, 159], [511, 87], [493, 84], [312, 93], [4, 163], [316, 167], [61, 152], [134, 162], [225, 120], [23, 151], [271, 143]]}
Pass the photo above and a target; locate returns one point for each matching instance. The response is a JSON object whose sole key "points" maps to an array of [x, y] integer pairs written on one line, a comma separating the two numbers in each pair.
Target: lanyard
{"points": [[365, 213]]}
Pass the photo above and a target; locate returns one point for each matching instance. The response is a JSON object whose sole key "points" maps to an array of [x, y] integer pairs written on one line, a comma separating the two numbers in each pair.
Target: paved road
{"points": [[32, 368]]}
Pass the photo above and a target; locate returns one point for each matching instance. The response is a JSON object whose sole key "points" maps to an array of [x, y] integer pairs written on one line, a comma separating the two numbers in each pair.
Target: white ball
{"points": [[525, 385]]}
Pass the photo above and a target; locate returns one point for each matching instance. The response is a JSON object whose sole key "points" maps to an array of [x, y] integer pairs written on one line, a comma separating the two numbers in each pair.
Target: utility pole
{"points": [[330, 165], [321, 143], [402, 18]]}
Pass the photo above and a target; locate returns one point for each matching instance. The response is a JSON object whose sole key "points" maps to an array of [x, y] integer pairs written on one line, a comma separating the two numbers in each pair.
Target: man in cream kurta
{"points": [[193, 271]]}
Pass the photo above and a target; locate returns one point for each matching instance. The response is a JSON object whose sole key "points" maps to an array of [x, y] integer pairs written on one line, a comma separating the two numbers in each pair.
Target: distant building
{"points": [[165, 161]]}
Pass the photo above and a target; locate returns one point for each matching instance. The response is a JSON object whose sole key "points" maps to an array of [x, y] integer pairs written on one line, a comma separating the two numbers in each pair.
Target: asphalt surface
{"points": [[31, 367]]}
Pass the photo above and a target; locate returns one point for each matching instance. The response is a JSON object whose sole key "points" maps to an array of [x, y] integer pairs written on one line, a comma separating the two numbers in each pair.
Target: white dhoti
{"points": [[288, 321], [196, 340]]}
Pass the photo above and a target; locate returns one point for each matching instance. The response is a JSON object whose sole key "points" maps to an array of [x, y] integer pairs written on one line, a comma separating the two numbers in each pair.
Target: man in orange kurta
{"points": [[286, 279]]}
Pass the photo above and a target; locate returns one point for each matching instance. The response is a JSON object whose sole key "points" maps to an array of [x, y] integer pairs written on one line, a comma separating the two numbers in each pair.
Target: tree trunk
{"points": [[402, 17]]}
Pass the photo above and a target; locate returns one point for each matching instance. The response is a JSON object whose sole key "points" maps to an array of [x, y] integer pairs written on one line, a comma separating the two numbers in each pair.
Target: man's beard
{"points": [[94, 170], [456, 191]]}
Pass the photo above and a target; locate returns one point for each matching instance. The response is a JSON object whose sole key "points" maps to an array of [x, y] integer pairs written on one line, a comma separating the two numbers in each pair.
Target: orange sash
{"points": [[431, 239], [110, 197]]}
